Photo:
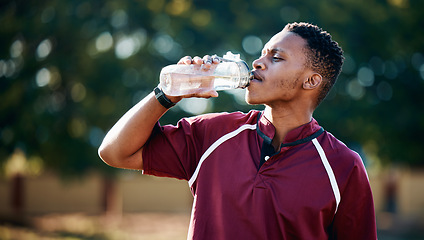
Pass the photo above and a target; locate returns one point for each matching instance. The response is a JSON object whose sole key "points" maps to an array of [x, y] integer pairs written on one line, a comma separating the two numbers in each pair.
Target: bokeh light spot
{"points": [[365, 76], [77, 127], [43, 77], [96, 136], [104, 42], [355, 89], [16, 49], [201, 18], [422, 72], [194, 106], [155, 5], [78, 92], [349, 64], [119, 19], [252, 44], [44, 49], [178, 7]]}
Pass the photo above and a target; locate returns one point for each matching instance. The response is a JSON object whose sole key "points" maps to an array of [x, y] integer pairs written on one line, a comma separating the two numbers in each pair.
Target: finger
{"points": [[207, 62], [197, 60], [213, 93], [207, 59], [206, 94], [185, 60], [215, 59]]}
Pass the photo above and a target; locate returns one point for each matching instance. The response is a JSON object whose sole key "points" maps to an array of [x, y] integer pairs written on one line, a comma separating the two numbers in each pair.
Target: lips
{"points": [[255, 76]]}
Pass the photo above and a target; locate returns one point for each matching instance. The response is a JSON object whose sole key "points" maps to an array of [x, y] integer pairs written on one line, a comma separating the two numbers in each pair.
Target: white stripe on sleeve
{"points": [[215, 145]]}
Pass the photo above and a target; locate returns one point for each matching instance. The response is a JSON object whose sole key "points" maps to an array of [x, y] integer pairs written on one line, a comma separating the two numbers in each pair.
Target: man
{"points": [[274, 174]]}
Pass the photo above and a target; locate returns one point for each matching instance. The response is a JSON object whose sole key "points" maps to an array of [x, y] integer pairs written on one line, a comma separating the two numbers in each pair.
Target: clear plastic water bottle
{"points": [[230, 73]]}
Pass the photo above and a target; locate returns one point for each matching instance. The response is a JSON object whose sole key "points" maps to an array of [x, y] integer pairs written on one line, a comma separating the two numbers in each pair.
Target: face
{"points": [[280, 71]]}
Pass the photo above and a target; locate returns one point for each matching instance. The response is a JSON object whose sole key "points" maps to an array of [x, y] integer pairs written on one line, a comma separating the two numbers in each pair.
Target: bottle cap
{"points": [[228, 57], [232, 57], [243, 67]]}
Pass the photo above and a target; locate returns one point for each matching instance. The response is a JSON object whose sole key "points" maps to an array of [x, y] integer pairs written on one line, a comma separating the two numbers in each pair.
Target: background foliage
{"points": [[69, 69]]}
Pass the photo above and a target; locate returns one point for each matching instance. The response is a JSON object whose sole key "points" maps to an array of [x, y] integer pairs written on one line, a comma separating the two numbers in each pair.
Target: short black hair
{"points": [[325, 55]]}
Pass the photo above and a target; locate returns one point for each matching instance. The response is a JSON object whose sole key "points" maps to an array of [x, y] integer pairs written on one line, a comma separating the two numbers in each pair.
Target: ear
{"points": [[313, 81]]}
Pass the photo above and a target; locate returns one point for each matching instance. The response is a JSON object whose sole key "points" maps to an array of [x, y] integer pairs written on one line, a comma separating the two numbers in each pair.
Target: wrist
{"points": [[173, 99], [165, 100]]}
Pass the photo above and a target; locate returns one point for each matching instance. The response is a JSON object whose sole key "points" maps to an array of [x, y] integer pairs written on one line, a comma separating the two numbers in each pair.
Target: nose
{"points": [[258, 64]]}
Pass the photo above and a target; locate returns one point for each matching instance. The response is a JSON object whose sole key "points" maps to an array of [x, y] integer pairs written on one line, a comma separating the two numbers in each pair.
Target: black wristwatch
{"points": [[163, 100]]}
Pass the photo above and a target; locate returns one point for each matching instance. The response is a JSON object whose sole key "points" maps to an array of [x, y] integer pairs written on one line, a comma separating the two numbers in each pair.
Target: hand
{"points": [[207, 61], [207, 94]]}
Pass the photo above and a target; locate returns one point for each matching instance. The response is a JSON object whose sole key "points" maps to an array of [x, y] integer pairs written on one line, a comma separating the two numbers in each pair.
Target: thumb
{"points": [[213, 93]]}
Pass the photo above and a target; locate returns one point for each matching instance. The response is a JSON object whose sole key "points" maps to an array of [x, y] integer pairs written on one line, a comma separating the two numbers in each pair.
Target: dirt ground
{"points": [[152, 226]]}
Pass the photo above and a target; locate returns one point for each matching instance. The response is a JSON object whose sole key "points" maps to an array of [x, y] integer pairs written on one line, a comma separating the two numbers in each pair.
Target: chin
{"points": [[251, 100]]}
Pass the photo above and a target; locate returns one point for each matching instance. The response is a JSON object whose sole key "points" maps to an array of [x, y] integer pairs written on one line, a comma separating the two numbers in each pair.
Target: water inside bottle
{"points": [[177, 84], [225, 83]]}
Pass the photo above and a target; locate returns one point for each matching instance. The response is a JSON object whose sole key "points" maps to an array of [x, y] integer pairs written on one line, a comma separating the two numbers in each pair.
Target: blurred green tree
{"points": [[70, 69]]}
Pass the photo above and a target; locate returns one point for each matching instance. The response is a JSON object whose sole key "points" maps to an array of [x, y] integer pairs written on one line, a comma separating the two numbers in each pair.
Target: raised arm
{"points": [[123, 144]]}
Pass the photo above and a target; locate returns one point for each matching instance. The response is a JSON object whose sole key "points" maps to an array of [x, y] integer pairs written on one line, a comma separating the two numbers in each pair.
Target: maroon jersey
{"points": [[314, 187]]}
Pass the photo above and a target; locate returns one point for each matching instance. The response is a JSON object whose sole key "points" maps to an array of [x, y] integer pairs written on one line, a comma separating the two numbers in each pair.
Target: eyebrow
{"points": [[275, 50]]}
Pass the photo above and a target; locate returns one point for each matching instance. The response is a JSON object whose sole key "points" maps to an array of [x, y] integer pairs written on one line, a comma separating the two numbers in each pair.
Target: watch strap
{"points": [[163, 100]]}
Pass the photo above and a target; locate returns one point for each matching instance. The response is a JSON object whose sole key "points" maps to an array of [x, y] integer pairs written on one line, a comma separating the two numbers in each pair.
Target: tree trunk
{"points": [[17, 200], [111, 201]]}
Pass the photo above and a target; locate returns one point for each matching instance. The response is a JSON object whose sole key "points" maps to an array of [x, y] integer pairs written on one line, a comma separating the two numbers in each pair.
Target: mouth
{"points": [[254, 76]]}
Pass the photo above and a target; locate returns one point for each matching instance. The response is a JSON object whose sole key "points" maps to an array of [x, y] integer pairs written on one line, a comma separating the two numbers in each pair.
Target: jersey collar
{"points": [[301, 134]]}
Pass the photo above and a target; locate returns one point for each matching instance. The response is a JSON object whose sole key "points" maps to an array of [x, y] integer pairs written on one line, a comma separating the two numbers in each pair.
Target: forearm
{"points": [[123, 144]]}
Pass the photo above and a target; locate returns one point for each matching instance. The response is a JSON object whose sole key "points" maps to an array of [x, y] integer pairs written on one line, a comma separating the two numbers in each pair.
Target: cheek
{"points": [[285, 84], [289, 81]]}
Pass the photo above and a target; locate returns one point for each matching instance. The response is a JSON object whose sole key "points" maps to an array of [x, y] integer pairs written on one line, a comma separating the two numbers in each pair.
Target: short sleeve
{"points": [[355, 217], [172, 151]]}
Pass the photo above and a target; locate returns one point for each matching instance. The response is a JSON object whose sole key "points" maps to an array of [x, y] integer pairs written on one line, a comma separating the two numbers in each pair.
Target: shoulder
{"points": [[345, 162], [340, 156], [334, 146], [214, 125], [224, 118]]}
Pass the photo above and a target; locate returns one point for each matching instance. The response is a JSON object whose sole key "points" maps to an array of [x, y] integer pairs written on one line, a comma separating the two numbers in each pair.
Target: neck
{"points": [[284, 120]]}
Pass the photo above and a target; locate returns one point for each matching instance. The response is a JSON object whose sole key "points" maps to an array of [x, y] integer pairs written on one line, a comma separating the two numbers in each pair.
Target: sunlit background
{"points": [[70, 69]]}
